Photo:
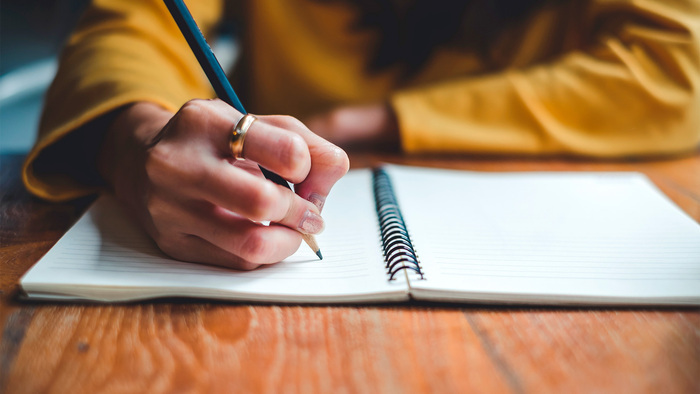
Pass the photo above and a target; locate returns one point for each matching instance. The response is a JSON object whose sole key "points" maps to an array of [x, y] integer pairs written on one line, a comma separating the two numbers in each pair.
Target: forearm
{"points": [[634, 89], [121, 52]]}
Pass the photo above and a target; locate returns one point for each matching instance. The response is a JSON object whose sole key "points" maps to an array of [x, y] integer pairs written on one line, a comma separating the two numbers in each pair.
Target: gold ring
{"points": [[238, 135]]}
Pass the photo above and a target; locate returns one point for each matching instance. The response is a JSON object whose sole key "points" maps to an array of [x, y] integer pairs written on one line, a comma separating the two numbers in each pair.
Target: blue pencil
{"points": [[217, 77]]}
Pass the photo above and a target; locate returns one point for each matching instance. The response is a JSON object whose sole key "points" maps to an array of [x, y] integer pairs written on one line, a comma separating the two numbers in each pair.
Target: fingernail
{"points": [[318, 200], [311, 223]]}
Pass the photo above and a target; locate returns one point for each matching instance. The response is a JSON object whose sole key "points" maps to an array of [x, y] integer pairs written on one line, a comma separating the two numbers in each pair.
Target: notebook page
{"points": [[548, 238], [106, 257]]}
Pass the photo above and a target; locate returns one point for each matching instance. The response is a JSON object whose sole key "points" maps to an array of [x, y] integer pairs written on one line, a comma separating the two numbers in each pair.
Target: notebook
{"points": [[398, 233]]}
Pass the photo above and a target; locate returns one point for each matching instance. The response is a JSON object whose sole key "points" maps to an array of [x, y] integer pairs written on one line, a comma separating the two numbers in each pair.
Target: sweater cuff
{"points": [[62, 187]]}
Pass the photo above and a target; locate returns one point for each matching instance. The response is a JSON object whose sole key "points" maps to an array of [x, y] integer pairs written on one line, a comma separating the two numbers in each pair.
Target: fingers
{"points": [[259, 200], [234, 189], [281, 144], [278, 150], [193, 249], [219, 237], [329, 162], [273, 147], [201, 205]]}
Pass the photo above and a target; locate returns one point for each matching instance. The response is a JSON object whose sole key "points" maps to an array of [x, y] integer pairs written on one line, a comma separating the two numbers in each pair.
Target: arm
{"points": [[632, 89], [120, 103], [121, 52]]}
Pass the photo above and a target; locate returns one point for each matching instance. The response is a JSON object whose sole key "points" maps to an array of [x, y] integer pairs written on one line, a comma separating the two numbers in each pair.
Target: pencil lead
{"points": [[320, 256]]}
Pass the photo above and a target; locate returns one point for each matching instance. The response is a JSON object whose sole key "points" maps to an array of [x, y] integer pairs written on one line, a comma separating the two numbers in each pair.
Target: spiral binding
{"points": [[398, 249]]}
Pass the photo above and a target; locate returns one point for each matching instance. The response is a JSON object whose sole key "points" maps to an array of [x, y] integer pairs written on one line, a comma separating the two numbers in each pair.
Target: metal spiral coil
{"points": [[399, 253]]}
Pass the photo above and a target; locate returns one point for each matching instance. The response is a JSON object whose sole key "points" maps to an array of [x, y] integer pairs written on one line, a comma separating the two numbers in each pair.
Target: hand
{"points": [[175, 173], [363, 126]]}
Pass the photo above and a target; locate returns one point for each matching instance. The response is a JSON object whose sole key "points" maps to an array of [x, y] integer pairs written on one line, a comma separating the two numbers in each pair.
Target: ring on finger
{"points": [[238, 135]]}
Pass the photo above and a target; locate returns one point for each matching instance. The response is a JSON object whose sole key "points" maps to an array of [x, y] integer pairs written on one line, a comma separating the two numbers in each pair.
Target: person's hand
{"points": [[361, 126], [199, 204]]}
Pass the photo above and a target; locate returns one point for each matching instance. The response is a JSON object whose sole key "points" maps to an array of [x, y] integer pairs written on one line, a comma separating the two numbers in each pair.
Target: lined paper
{"points": [[548, 237], [106, 256], [559, 238]]}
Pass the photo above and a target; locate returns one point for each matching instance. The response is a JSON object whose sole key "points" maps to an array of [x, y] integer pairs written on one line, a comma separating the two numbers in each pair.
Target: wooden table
{"points": [[197, 346]]}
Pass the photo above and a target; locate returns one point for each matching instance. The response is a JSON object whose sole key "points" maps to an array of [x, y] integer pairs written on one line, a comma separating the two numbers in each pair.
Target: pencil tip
{"points": [[311, 241]]}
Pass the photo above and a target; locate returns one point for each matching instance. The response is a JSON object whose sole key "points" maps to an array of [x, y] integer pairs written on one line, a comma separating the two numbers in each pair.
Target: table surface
{"points": [[185, 345]]}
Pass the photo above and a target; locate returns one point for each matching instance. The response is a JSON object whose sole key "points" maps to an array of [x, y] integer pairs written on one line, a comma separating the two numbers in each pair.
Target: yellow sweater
{"points": [[604, 78]]}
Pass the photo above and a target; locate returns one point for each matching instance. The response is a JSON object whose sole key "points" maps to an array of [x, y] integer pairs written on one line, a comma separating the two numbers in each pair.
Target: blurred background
{"points": [[31, 36]]}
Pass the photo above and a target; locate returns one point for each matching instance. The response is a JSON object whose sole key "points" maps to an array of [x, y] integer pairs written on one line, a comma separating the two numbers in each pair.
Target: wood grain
{"points": [[186, 346]]}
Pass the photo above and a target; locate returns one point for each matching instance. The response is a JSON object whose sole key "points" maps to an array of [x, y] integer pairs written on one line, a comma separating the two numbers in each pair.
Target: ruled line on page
{"points": [[248, 274], [554, 260], [578, 276]]}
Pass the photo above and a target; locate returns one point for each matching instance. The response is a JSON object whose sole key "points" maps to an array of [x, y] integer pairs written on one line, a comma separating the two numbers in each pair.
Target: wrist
{"points": [[127, 137]]}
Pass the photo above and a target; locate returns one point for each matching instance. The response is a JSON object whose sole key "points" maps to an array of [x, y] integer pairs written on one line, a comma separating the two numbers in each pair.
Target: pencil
{"points": [[217, 77]]}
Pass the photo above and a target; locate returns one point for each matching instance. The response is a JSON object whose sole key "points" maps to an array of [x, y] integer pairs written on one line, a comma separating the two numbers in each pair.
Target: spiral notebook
{"points": [[400, 233]]}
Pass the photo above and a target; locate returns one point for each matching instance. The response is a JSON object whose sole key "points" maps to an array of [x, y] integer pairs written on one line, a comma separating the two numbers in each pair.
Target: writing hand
{"points": [[175, 173]]}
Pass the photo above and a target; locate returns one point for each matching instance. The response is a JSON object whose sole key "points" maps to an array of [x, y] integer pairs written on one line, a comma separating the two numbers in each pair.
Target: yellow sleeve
{"points": [[122, 51], [634, 91]]}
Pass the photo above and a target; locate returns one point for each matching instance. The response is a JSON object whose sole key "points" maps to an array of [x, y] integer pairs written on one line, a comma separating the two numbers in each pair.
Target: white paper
{"points": [[106, 257], [548, 237], [560, 238]]}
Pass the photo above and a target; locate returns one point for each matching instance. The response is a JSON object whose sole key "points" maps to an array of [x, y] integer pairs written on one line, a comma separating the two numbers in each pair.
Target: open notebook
{"points": [[538, 238]]}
